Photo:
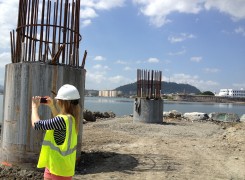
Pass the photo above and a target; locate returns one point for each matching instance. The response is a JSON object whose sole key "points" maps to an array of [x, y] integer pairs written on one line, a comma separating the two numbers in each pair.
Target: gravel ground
{"points": [[121, 149]]}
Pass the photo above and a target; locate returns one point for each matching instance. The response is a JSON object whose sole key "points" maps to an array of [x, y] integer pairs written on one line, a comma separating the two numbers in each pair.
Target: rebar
{"points": [[149, 84], [47, 31]]}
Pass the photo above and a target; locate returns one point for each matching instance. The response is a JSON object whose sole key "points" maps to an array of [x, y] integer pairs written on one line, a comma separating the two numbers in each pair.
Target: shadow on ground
{"points": [[98, 162]]}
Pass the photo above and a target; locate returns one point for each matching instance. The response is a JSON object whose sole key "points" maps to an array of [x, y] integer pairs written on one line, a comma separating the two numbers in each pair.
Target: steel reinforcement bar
{"points": [[149, 84], [47, 31]]}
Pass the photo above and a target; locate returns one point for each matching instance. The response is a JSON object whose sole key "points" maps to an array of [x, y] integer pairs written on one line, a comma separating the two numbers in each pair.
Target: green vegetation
{"points": [[207, 93]]}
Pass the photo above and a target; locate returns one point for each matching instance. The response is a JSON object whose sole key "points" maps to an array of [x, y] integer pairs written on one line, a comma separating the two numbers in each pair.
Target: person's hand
{"points": [[36, 101], [50, 101]]}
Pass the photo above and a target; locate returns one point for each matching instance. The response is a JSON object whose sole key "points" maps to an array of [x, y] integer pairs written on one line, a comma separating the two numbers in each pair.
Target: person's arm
{"points": [[50, 103], [56, 123], [34, 113]]}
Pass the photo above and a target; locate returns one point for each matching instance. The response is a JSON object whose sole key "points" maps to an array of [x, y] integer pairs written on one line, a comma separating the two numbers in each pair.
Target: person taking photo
{"points": [[58, 151]]}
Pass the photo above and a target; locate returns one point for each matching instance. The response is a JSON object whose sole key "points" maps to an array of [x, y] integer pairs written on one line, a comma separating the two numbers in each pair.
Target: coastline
{"points": [[206, 98]]}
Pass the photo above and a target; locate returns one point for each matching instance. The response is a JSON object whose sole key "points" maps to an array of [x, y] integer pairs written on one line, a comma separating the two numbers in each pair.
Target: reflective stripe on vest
{"points": [[55, 148]]}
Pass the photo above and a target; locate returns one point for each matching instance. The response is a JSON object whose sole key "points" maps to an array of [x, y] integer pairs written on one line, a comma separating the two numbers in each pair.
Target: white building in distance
{"points": [[231, 93], [109, 93]]}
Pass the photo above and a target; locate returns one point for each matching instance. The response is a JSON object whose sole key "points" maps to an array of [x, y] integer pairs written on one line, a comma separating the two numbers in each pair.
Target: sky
{"points": [[196, 42]]}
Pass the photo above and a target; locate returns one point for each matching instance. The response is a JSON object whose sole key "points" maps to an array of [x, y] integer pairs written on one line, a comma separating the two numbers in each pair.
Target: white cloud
{"points": [[89, 8], [158, 11], [5, 58], [95, 77], [153, 60], [240, 30], [87, 12], [102, 4], [99, 58], [211, 70], [193, 80], [8, 21], [121, 62], [96, 80], [233, 8], [101, 68], [196, 59], [119, 80], [181, 37], [183, 51], [86, 22], [127, 68]]}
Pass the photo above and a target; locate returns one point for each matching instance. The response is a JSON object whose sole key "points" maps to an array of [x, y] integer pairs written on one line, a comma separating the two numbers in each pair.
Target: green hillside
{"points": [[167, 88]]}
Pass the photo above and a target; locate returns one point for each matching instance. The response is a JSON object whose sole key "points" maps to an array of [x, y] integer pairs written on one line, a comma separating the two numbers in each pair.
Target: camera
{"points": [[43, 100]]}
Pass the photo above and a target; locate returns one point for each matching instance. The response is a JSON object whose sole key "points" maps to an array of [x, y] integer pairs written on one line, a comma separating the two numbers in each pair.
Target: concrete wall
{"points": [[148, 110], [20, 143]]}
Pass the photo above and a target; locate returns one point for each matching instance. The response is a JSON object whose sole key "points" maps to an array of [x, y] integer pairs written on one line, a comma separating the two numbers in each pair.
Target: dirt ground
{"points": [[122, 149], [119, 149]]}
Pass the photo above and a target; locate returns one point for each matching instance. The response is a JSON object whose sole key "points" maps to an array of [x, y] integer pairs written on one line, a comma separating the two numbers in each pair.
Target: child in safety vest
{"points": [[58, 152]]}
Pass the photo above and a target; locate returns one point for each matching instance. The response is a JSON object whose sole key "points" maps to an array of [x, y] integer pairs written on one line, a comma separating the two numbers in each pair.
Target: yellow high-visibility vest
{"points": [[60, 159]]}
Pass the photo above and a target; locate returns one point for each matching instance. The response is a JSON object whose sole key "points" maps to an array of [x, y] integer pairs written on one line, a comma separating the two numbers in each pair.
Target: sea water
{"points": [[124, 106]]}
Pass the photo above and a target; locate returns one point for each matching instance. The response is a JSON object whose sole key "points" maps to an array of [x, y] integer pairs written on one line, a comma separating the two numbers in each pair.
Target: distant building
{"points": [[231, 93], [109, 93]]}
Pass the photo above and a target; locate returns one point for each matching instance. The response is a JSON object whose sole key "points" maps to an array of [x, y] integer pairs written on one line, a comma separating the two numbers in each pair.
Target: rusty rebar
{"points": [[45, 25], [149, 84], [84, 58], [40, 56], [12, 47]]}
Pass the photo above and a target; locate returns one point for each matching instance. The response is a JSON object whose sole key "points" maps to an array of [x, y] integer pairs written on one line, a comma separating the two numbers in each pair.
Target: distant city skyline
{"points": [[200, 43]]}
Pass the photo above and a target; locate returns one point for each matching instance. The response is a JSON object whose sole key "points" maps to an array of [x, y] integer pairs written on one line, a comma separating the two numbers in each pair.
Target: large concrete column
{"points": [[148, 110], [20, 142]]}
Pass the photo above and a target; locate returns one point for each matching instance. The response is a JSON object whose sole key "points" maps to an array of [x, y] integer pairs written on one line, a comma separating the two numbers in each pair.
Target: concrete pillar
{"points": [[148, 110], [20, 143]]}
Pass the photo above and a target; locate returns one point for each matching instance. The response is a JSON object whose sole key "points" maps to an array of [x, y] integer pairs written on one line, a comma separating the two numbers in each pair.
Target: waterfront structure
{"points": [[148, 104], [231, 93], [109, 93], [45, 56]]}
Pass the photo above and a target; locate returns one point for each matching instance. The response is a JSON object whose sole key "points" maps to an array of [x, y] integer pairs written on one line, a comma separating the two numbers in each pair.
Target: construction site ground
{"points": [[121, 149], [176, 149]]}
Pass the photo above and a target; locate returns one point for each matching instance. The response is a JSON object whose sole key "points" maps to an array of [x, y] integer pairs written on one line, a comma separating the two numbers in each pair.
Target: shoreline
{"points": [[206, 102]]}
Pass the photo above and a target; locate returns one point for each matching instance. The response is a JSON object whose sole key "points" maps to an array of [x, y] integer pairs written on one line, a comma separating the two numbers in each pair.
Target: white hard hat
{"points": [[68, 92]]}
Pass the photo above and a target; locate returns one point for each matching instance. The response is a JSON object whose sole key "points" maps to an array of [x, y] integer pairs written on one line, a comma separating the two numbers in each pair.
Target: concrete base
{"points": [[148, 110], [20, 142]]}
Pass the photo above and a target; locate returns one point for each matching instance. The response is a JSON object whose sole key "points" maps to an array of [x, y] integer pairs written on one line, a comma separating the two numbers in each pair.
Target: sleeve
{"points": [[56, 123]]}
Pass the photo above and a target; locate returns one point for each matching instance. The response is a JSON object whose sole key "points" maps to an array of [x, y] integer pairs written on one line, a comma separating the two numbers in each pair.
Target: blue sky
{"points": [[199, 42]]}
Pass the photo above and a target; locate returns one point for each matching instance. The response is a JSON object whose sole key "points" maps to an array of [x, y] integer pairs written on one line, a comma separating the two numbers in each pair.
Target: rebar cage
{"points": [[47, 31], [149, 84]]}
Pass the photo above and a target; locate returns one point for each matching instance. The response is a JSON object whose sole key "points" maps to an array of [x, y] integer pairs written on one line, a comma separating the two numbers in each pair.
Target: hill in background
{"points": [[130, 89], [167, 88]]}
